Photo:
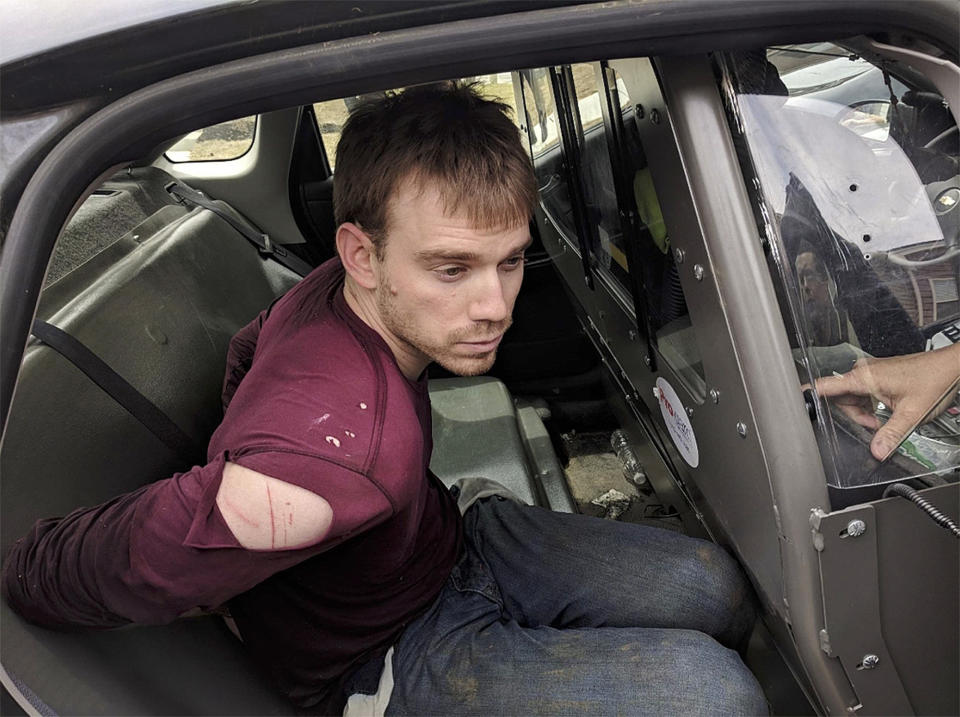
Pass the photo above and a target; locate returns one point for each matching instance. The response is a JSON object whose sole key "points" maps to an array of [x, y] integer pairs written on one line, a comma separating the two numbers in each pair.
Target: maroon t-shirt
{"points": [[315, 398]]}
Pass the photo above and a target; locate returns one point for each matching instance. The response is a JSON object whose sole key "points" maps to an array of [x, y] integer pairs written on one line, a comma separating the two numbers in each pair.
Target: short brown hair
{"points": [[444, 134]]}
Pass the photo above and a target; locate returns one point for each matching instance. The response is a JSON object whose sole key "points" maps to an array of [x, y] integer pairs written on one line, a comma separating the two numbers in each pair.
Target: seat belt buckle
{"points": [[269, 248], [266, 247], [171, 189]]}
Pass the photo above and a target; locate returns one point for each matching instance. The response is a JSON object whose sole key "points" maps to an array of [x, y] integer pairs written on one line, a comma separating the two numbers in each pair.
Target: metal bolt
{"points": [[640, 112], [742, 429], [679, 254], [646, 360], [586, 279], [698, 272], [655, 116], [714, 395], [856, 528], [689, 411], [869, 662], [632, 334]]}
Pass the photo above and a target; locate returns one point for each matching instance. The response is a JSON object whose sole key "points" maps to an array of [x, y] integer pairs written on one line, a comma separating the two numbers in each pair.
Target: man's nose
{"points": [[488, 302]]}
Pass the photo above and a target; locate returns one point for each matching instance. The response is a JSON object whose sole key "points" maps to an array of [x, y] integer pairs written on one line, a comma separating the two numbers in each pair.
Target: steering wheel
{"points": [[944, 198]]}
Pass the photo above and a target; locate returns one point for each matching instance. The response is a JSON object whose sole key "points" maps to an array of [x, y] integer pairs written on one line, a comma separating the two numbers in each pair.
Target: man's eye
{"points": [[513, 262], [450, 272]]}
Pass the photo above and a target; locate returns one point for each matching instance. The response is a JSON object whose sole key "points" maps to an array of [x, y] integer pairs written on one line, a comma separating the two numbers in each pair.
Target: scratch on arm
{"points": [[273, 524]]}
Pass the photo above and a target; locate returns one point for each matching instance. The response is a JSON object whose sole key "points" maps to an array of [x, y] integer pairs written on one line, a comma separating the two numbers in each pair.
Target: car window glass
{"points": [[332, 114], [857, 162], [603, 216], [543, 129], [217, 143], [543, 134], [673, 334]]}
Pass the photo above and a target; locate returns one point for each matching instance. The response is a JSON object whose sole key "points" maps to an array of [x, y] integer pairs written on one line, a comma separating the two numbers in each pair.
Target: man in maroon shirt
{"points": [[316, 517]]}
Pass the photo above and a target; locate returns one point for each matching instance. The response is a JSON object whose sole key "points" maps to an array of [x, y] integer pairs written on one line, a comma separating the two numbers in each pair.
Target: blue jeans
{"points": [[552, 613]]}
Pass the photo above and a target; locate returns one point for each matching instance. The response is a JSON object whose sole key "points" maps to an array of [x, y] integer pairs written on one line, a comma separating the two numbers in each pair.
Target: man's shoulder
{"points": [[311, 299]]}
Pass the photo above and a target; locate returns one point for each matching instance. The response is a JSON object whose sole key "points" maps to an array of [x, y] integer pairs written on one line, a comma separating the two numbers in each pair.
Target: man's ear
{"points": [[356, 252]]}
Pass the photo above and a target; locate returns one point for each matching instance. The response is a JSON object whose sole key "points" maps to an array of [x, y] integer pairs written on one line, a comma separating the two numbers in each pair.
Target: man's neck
{"points": [[364, 304]]}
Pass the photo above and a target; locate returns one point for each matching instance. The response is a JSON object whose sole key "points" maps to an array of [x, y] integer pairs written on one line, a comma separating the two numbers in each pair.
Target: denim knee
{"points": [[712, 679], [731, 589]]}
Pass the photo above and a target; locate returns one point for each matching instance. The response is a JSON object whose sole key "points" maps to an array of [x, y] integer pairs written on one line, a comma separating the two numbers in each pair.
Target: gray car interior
{"points": [[159, 306]]}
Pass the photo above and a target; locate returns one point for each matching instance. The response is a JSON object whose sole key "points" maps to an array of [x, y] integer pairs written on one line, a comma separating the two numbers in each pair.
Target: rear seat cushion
{"points": [[475, 434]]}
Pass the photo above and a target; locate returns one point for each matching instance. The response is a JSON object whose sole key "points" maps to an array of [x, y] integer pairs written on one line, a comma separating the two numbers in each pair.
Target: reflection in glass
{"points": [[856, 160]]}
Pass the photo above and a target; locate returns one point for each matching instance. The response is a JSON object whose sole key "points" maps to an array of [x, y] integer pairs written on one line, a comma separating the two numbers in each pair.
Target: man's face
{"points": [[813, 278], [445, 291]]}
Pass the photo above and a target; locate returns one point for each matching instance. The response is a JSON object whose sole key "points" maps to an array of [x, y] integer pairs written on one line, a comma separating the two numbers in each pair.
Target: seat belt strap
{"points": [[121, 391], [264, 245]]}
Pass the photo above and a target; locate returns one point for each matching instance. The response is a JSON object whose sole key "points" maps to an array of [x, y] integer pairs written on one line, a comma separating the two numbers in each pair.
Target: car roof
{"points": [[48, 24], [59, 52]]}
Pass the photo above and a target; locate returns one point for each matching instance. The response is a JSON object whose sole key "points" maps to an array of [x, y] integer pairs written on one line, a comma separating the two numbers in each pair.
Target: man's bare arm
{"points": [[265, 513]]}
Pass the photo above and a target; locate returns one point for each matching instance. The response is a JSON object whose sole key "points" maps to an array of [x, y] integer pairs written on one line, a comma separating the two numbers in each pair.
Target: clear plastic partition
{"points": [[856, 181]]}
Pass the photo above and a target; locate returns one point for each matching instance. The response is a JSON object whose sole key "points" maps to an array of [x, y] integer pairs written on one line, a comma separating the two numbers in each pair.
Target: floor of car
{"points": [[595, 475]]}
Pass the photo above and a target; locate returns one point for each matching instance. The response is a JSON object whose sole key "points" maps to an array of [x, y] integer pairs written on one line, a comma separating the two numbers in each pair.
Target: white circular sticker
{"points": [[675, 416]]}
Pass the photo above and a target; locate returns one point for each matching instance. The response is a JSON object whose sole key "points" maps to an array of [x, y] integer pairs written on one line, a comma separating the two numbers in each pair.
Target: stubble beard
{"points": [[444, 353]]}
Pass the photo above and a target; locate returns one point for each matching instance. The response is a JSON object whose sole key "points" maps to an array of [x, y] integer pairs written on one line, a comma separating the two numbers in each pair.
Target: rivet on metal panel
{"points": [[586, 280], [646, 360], [868, 662], [656, 393], [655, 116], [678, 254], [855, 528], [742, 429], [698, 272], [714, 395], [640, 111], [689, 411], [632, 334]]}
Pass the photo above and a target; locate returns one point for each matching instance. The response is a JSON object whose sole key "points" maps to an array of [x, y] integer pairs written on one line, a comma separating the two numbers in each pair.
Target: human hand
{"points": [[910, 386]]}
